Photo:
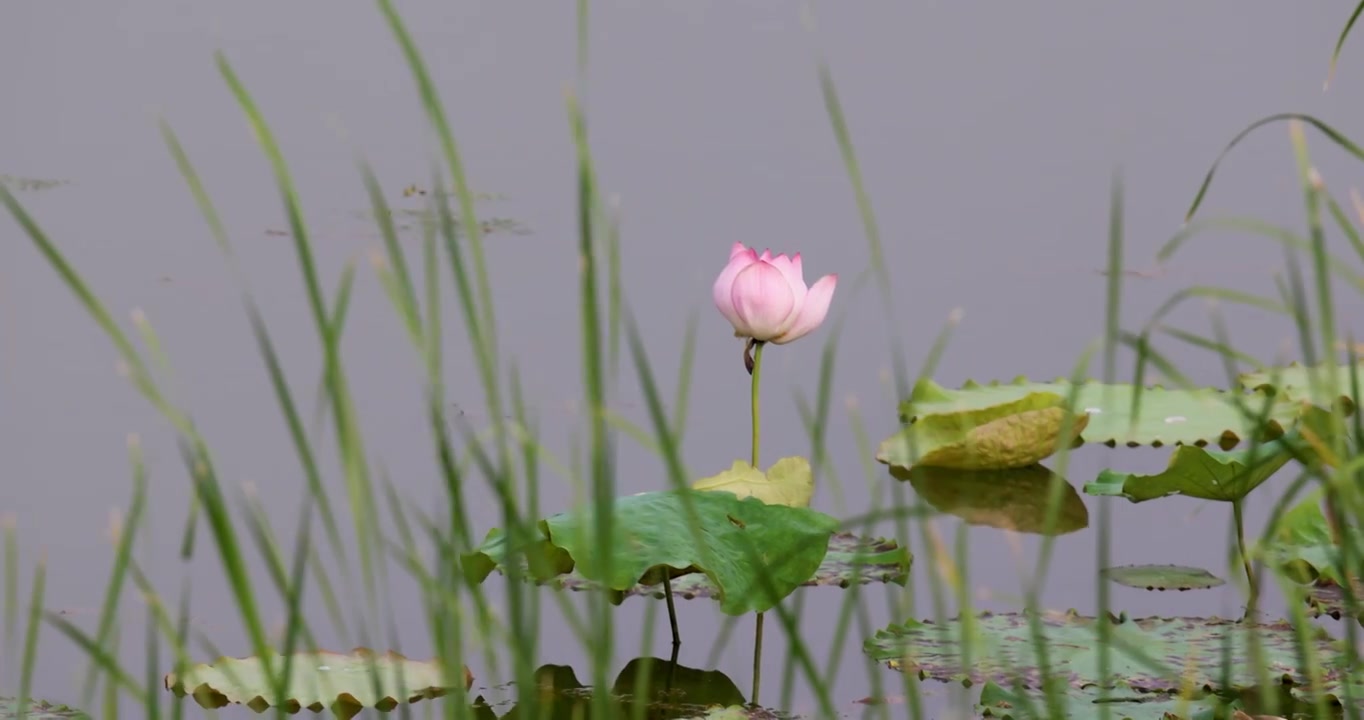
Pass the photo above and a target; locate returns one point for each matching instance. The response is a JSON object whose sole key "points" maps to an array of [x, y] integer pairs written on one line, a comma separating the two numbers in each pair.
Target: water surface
{"points": [[987, 139]]}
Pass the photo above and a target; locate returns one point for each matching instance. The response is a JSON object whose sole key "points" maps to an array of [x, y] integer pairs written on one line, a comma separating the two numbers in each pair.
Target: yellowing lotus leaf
{"points": [[344, 683], [1017, 432], [788, 482]]}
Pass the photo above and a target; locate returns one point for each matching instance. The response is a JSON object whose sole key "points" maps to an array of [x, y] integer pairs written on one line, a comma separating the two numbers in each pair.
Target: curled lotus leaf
{"points": [[1146, 654], [1304, 545], [34, 709], [754, 553], [1017, 432], [789, 481], [1201, 473], [1163, 577], [850, 560], [1014, 499], [343, 683], [1125, 414]]}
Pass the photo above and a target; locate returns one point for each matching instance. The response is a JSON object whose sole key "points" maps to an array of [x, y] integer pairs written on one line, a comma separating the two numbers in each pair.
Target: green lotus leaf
{"points": [[37, 710], [850, 560], [1123, 703], [1303, 545], [1015, 432], [1008, 499], [1296, 382], [1199, 472], [1194, 652], [344, 683], [1163, 417], [788, 482], [742, 540], [1163, 577]]}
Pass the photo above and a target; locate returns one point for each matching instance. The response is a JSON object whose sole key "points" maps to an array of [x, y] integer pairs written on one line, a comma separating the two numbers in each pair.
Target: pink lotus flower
{"points": [[765, 297]]}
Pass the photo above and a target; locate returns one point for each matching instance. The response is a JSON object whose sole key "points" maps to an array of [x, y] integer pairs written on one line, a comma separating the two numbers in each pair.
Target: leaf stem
{"points": [[672, 612], [757, 658], [756, 370], [1254, 588]]}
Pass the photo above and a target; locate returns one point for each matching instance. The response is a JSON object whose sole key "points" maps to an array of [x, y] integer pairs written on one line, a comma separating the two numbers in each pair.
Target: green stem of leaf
{"points": [[1254, 587]]}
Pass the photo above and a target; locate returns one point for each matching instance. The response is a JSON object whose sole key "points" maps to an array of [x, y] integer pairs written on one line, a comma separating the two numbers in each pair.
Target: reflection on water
{"points": [[665, 689], [1008, 499]]}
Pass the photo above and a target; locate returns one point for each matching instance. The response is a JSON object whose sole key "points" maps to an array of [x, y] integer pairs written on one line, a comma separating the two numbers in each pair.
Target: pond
{"points": [[986, 143]]}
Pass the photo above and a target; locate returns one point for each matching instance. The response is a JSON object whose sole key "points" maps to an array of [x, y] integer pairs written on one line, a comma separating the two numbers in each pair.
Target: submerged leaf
{"points": [[1163, 577], [1194, 652], [37, 710], [1007, 499], [741, 545], [1199, 472], [343, 683], [788, 482], [1014, 433]]}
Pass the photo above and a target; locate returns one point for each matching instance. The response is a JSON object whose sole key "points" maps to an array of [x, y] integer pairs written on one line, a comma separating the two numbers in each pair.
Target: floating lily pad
{"points": [[1200, 473], [38, 710], [1326, 597], [1192, 650], [345, 684], [1122, 702], [741, 541], [1163, 577], [1198, 417], [850, 559], [1295, 382], [788, 482], [1008, 499]]}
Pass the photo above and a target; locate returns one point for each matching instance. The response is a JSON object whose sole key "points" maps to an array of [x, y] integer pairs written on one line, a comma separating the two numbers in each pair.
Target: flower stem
{"points": [[756, 371], [753, 398]]}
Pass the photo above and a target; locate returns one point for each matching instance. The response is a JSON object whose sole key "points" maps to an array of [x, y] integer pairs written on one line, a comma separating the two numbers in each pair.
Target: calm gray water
{"points": [[987, 138]]}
